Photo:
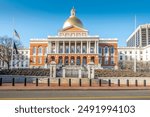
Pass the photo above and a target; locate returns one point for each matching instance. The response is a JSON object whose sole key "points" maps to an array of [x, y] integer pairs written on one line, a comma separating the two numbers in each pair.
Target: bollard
{"points": [[25, 81], [59, 82], [90, 82], [109, 83], [69, 82], [118, 82], [136, 83], [128, 83], [144, 83], [37, 83], [80, 82], [48, 82], [100, 82], [1, 81], [13, 82]]}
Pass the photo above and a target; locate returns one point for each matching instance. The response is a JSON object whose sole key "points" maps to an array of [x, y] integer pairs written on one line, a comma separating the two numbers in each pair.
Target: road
{"points": [[75, 94]]}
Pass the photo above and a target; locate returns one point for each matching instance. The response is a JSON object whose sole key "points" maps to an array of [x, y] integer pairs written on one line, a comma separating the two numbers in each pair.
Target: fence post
{"points": [[109, 83], [90, 82], [128, 83], [69, 82], [1, 81], [25, 81], [37, 81], [100, 82], [59, 82], [144, 83], [136, 83], [119, 82], [80, 82], [13, 82], [48, 82]]}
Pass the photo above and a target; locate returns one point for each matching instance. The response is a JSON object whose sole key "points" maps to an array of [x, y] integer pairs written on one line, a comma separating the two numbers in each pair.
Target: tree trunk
{"points": [[8, 65]]}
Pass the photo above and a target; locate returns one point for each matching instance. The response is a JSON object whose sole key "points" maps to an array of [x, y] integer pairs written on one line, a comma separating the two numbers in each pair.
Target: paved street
{"points": [[76, 94]]}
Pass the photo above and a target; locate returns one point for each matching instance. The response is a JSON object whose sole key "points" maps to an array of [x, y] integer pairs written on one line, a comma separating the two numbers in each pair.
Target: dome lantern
{"points": [[73, 20]]}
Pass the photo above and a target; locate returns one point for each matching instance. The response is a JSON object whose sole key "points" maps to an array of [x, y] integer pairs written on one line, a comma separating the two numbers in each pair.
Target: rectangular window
{"points": [[121, 58], [112, 60], [40, 60], [126, 58], [34, 60], [106, 60]]}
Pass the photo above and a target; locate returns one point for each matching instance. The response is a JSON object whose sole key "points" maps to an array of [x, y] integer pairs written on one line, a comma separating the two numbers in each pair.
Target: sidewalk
{"points": [[45, 87]]}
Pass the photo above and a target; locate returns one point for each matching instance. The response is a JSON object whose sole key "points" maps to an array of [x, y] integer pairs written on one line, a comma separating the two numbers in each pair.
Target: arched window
{"points": [[112, 50], [34, 50], [106, 51], [40, 51], [100, 50]]}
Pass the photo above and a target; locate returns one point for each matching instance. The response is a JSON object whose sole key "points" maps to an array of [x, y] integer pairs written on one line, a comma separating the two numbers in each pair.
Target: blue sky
{"points": [[40, 18]]}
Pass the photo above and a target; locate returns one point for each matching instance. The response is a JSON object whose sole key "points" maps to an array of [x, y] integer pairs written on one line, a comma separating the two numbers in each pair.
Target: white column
{"points": [[58, 47], [89, 46], [81, 47], [55, 47], [75, 46], [63, 47], [69, 47], [95, 48], [50, 47]]}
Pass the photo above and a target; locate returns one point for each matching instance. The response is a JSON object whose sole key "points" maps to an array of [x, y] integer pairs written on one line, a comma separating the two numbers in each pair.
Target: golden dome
{"points": [[73, 20]]}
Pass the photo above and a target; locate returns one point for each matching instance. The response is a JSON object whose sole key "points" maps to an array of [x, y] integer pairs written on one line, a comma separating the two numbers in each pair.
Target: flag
{"points": [[16, 34], [15, 47]]}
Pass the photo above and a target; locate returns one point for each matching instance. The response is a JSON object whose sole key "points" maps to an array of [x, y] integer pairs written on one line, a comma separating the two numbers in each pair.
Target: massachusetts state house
{"points": [[74, 46]]}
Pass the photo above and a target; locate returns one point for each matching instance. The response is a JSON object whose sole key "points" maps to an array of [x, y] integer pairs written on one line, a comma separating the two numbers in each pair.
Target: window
{"points": [[125, 52], [112, 60], [106, 50], [26, 52], [100, 60], [100, 50], [26, 57], [34, 50], [40, 51], [120, 52], [126, 58], [130, 52], [121, 58], [141, 52], [22, 64], [106, 60], [112, 50], [34, 60], [40, 60], [131, 58]]}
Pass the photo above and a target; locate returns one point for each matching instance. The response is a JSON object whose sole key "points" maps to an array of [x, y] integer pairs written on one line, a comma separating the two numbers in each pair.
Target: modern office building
{"points": [[142, 36]]}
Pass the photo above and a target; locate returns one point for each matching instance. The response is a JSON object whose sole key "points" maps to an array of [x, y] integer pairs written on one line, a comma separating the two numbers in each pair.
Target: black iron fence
{"points": [[79, 82]]}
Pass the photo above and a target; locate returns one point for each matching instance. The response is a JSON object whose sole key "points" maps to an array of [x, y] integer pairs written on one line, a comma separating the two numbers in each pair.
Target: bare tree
{"points": [[6, 44]]}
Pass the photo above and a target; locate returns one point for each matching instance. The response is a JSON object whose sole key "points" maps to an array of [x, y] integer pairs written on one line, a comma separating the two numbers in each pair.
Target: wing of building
{"points": [[73, 46]]}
